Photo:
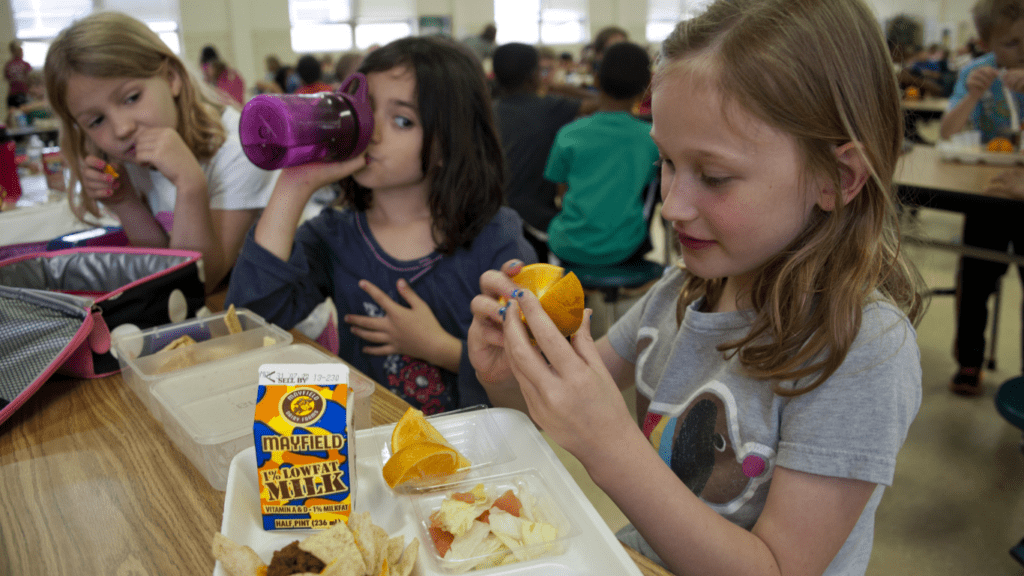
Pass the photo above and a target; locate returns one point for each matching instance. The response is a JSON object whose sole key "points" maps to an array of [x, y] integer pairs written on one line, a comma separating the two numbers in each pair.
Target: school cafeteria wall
{"points": [[934, 15], [245, 32]]}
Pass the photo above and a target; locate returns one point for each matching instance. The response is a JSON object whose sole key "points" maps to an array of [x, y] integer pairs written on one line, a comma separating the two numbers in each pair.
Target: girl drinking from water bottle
{"points": [[422, 220]]}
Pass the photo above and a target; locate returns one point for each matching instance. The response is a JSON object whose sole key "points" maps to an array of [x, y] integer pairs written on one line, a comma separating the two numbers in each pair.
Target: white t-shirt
{"points": [[233, 182]]}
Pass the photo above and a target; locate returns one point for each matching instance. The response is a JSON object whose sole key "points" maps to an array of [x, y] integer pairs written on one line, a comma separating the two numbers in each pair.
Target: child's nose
{"points": [[378, 126], [677, 199], [123, 125]]}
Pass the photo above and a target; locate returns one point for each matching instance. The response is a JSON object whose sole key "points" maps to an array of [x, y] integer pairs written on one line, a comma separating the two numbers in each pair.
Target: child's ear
{"points": [[853, 173], [175, 79]]}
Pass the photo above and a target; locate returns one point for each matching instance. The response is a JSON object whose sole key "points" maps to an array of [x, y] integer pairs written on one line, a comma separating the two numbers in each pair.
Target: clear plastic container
{"points": [[475, 438], [530, 487], [144, 364], [208, 414]]}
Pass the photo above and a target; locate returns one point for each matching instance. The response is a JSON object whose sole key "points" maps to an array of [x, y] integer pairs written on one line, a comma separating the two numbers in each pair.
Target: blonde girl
{"points": [[143, 141], [776, 369]]}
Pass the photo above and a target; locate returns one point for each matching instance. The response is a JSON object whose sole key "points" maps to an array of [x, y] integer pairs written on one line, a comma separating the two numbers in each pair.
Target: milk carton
{"points": [[304, 459]]}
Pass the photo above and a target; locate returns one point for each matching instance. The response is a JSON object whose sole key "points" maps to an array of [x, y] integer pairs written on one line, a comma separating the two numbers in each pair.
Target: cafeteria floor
{"points": [[957, 502]]}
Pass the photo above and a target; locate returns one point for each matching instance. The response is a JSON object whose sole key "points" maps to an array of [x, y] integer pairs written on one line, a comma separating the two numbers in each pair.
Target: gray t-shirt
{"points": [[723, 432]]}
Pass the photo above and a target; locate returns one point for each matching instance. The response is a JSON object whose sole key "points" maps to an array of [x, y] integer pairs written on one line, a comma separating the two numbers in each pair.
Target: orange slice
{"points": [[1000, 144], [560, 294], [420, 460], [413, 427]]}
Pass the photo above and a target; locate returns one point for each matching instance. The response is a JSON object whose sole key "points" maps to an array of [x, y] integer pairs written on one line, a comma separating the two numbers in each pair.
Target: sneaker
{"points": [[967, 382]]}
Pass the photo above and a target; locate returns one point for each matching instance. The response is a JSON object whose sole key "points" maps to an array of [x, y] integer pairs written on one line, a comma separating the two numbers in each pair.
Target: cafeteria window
{"points": [[541, 21], [339, 25], [37, 22], [663, 15]]}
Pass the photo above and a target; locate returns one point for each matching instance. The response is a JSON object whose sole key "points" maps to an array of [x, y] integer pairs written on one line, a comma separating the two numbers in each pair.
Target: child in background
{"points": [[310, 73], [777, 371], [979, 102], [16, 72], [125, 100], [36, 106], [422, 221], [527, 123], [603, 164], [228, 82]]}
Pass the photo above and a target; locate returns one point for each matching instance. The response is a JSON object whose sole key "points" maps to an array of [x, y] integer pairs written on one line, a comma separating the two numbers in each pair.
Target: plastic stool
{"points": [[1010, 404], [1010, 401], [612, 281]]}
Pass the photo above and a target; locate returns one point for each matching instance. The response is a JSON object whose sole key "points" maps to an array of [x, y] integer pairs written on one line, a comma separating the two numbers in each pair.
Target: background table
{"points": [[924, 179], [926, 108], [91, 485]]}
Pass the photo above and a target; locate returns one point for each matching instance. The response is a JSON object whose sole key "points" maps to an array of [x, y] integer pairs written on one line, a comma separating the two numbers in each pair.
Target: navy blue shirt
{"points": [[336, 249]]}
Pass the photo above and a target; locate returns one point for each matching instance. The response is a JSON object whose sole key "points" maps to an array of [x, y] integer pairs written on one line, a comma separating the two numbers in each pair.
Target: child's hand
{"points": [[413, 330], [163, 149], [1007, 184], [315, 175], [486, 340], [1014, 79], [569, 391], [100, 185], [980, 79]]}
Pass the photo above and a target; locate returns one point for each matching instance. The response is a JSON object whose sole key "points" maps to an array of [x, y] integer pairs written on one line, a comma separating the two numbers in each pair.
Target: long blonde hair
{"points": [[819, 71], [114, 45]]}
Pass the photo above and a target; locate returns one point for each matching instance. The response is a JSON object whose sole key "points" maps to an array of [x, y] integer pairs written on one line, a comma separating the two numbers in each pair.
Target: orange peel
{"points": [[419, 451], [560, 294], [420, 460]]}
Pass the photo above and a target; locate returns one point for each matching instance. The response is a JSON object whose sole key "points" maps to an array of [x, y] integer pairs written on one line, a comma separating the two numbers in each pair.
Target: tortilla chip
{"points": [[404, 567], [380, 537], [182, 359], [337, 548], [238, 560], [350, 565], [393, 549], [231, 319], [359, 523], [179, 342]]}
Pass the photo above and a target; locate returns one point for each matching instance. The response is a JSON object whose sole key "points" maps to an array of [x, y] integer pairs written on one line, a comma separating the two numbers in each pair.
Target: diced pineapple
{"points": [[457, 517], [538, 533]]}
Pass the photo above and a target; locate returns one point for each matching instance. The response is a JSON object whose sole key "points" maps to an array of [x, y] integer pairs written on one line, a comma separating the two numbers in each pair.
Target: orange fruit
{"points": [[420, 460], [560, 294], [912, 93], [413, 428], [1000, 144]]}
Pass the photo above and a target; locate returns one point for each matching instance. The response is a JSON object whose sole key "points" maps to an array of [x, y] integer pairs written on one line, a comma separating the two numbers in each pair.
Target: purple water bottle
{"points": [[279, 130]]}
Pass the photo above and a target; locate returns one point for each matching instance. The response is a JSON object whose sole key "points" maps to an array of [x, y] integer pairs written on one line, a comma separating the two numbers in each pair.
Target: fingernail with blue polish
{"points": [[517, 293], [502, 311]]}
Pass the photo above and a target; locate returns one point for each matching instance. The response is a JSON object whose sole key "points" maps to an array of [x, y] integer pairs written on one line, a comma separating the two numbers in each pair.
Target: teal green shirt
{"points": [[606, 160]]}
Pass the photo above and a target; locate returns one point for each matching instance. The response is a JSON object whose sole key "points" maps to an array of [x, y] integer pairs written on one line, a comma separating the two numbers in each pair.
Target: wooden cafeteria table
{"points": [[926, 108], [91, 484], [924, 178]]}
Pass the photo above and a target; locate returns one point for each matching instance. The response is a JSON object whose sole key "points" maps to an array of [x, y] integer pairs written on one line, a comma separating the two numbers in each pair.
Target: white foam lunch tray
{"points": [[590, 547]]}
